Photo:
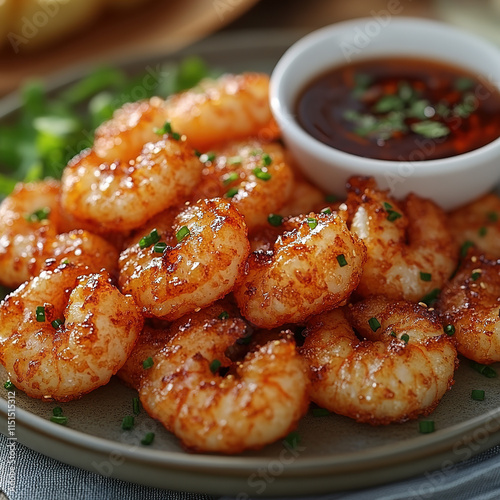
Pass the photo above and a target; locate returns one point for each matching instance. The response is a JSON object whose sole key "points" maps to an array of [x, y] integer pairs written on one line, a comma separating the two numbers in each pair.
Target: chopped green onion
{"points": [[207, 157], [341, 260], [275, 220], [261, 174], [393, 334], [215, 365], [167, 129], [374, 324], [152, 238], [234, 160], [65, 261], [148, 363], [136, 406], [312, 222], [405, 338], [61, 420], [330, 198], [482, 231], [57, 411], [426, 426], [39, 215], [465, 248], [233, 176], [431, 297], [182, 233], [326, 210], [392, 215], [475, 275], [57, 323], [485, 370], [148, 438], [425, 276], [159, 247], [8, 385], [449, 330], [231, 192], [477, 395], [223, 315], [387, 206], [293, 439], [492, 216], [197, 153], [128, 422], [320, 412], [266, 160], [40, 314], [430, 129], [463, 83]]}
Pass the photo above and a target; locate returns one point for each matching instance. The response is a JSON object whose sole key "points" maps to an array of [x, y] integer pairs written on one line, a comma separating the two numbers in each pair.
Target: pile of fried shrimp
{"points": [[186, 254]]}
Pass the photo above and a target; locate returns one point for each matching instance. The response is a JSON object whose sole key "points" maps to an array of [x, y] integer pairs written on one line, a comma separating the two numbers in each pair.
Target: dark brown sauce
{"points": [[401, 109]]}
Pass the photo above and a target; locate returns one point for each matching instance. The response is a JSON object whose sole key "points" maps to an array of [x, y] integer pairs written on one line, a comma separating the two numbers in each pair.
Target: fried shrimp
{"points": [[30, 211], [252, 174], [258, 402], [64, 333], [470, 304], [479, 223], [401, 371], [196, 263], [314, 266], [411, 251], [125, 194]]}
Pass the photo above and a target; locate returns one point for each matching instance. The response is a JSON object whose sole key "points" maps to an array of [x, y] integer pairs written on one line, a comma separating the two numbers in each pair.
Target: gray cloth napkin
{"points": [[42, 478]]}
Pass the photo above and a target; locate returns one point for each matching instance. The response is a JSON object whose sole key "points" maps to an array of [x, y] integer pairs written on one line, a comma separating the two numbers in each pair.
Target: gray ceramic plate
{"points": [[334, 452]]}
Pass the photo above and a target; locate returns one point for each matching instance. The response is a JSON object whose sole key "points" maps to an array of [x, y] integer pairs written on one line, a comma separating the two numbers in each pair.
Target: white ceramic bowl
{"points": [[449, 181]]}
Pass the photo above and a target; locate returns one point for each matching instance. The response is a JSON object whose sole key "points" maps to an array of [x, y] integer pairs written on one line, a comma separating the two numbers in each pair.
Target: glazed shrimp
{"points": [[396, 268], [125, 194], [64, 333], [30, 211], [479, 223], [258, 402], [470, 303], [314, 266], [202, 258], [401, 371], [252, 174]]}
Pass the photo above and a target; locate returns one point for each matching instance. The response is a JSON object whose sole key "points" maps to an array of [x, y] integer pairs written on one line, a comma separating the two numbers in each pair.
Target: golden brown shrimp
{"points": [[252, 174], [470, 304], [30, 211], [314, 266], [411, 251], [401, 371], [202, 257], [258, 402], [125, 194], [65, 332], [479, 223]]}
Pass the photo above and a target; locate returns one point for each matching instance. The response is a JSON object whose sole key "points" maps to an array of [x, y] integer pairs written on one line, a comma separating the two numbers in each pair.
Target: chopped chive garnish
{"points": [[40, 313], [197, 153], [492, 216], [320, 412], [159, 247], [431, 297], [475, 275], [148, 438], [312, 222], [261, 174], [266, 160], [167, 129], [57, 411], [65, 261], [148, 363], [8, 385], [425, 276], [482, 231], [39, 215], [293, 439], [150, 239], [465, 248], [374, 324], [485, 370], [136, 406], [426, 426], [223, 315], [61, 420], [206, 157], [449, 330], [393, 334], [182, 233], [387, 206], [330, 198], [275, 220], [57, 323], [326, 210], [233, 176], [128, 422], [405, 338], [234, 160], [341, 260], [215, 365], [392, 215], [231, 192], [477, 395]]}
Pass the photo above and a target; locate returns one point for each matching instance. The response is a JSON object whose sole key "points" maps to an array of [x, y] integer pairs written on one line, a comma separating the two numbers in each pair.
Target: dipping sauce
{"points": [[401, 109]]}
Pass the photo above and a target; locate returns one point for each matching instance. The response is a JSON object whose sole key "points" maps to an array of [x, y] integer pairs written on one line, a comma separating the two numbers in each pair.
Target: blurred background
{"points": [[40, 37]]}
